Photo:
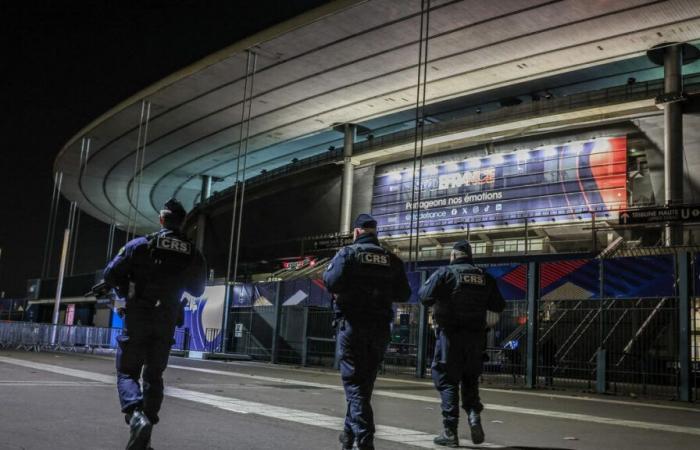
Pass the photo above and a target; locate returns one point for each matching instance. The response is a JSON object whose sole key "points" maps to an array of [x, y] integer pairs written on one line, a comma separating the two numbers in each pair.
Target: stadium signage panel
{"points": [[557, 182], [678, 213], [332, 243]]}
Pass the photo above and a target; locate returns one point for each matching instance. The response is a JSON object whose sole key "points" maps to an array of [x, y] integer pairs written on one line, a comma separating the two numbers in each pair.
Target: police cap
{"points": [[463, 246], [365, 221]]}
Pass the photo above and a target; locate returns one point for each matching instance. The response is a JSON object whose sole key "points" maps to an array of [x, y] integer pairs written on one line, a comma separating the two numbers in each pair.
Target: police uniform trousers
{"points": [[458, 363], [361, 348], [143, 350]]}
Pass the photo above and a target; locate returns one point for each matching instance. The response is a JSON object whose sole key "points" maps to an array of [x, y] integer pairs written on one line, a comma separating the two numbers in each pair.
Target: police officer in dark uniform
{"points": [[460, 295], [366, 279], [152, 273]]}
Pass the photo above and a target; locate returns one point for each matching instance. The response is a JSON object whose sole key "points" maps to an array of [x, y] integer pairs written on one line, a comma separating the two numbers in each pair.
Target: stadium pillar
{"points": [[206, 188], [533, 291], [685, 280], [673, 136], [349, 131], [672, 56]]}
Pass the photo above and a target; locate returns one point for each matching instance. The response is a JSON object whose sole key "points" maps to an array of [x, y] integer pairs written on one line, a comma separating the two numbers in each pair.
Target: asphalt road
{"points": [[68, 401]]}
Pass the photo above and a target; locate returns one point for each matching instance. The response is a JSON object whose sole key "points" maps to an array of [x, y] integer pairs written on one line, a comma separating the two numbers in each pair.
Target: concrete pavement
{"points": [[68, 401]]}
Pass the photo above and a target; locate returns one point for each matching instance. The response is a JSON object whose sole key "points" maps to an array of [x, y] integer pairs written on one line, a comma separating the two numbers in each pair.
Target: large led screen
{"points": [[548, 183]]}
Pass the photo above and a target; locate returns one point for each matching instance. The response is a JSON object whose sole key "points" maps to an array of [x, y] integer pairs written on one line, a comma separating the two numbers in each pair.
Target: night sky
{"points": [[64, 63]]}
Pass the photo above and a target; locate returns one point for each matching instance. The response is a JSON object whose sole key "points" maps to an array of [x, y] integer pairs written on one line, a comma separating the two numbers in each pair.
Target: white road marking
{"points": [[225, 402], [427, 383], [52, 383], [491, 407], [485, 389], [388, 433]]}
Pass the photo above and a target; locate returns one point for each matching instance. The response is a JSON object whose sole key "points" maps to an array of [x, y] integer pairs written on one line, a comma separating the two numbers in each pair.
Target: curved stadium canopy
{"points": [[348, 61]]}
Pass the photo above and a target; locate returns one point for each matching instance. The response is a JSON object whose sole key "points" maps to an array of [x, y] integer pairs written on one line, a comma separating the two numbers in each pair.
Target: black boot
{"points": [[447, 438], [347, 439], [140, 431], [475, 427]]}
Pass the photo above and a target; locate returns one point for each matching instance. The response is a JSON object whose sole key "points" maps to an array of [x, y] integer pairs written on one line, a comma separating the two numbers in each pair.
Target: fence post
{"points": [[684, 277], [533, 290], [305, 338], [276, 328], [421, 351], [601, 384]]}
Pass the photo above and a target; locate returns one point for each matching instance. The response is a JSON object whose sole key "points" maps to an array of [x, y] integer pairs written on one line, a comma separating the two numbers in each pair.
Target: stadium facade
{"points": [[526, 126]]}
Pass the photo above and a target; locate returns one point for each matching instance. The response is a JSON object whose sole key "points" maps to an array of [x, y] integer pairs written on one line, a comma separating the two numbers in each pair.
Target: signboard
{"points": [[299, 263], [678, 213], [332, 243], [238, 332], [559, 181]]}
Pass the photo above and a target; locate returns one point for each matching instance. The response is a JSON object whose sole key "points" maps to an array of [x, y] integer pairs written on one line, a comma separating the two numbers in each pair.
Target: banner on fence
{"points": [[202, 314]]}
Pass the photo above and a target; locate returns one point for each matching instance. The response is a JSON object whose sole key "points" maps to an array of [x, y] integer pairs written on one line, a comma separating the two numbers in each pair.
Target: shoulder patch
{"points": [[376, 259], [477, 279], [174, 245]]}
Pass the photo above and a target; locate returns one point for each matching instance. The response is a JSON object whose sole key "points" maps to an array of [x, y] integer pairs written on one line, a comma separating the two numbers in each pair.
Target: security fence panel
{"points": [[252, 331], [640, 337], [400, 357], [290, 343], [320, 338], [43, 336], [506, 346]]}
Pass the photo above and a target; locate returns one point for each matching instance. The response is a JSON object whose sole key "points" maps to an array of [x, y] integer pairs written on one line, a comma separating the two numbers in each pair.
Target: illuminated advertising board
{"points": [[557, 182]]}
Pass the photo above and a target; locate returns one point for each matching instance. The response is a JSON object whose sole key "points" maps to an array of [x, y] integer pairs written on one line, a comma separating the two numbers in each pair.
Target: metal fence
{"points": [[40, 336], [695, 347], [638, 337], [506, 347], [181, 340]]}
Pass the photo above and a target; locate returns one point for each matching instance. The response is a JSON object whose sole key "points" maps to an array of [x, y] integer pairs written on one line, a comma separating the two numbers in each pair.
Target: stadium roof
{"points": [[350, 61]]}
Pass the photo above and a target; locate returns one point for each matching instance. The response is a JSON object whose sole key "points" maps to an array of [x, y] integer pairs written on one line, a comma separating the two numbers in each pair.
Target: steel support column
{"points": [[673, 137], [347, 184], [59, 284], [533, 291], [276, 328], [206, 188], [685, 280]]}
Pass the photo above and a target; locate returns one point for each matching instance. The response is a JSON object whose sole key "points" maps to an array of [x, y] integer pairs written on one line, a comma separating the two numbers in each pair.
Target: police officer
{"points": [[460, 295], [366, 279], [152, 272]]}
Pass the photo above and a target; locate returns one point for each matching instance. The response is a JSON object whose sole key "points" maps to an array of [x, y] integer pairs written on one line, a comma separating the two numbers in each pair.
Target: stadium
{"points": [[560, 137]]}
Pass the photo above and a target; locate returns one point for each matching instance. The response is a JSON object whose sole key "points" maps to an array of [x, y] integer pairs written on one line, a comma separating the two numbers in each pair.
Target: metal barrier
{"points": [[41, 336], [181, 340], [506, 347]]}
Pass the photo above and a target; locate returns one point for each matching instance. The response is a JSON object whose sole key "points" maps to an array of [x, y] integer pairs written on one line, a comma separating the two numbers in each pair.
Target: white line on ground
{"points": [[394, 434], [492, 407], [52, 383], [485, 389], [427, 383]]}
